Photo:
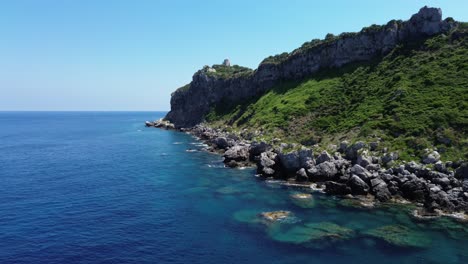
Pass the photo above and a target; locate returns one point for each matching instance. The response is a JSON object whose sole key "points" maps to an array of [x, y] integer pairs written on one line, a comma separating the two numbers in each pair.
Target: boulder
{"points": [[373, 167], [220, 142], [301, 175], [440, 167], [295, 160], [232, 164], [352, 151], [380, 190], [358, 186], [343, 146], [414, 190], [258, 148], [431, 157], [237, 153], [363, 159], [413, 167], [360, 172], [388, 158], [324, 156], [462, 171], [267, 163], [326, 170]]}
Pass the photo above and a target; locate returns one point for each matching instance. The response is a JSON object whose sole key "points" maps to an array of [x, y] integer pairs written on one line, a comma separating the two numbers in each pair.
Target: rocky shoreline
{"points": [[357, 169]]}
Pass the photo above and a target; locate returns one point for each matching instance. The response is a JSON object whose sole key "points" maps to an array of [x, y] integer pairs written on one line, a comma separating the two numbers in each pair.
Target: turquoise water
{"points": [[98, 187]]}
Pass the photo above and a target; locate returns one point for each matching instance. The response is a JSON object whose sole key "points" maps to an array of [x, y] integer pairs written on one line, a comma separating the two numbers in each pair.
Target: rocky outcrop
{"points": [[161, 123], [191, 103], [439, 186]]}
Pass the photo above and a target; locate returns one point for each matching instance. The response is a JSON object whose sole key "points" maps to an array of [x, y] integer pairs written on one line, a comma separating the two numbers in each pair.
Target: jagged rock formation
{"points": [[191, 103]]}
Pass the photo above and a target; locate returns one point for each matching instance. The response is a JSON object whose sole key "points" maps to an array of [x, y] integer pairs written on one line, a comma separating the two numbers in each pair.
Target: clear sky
{"points": [[130, 55]]}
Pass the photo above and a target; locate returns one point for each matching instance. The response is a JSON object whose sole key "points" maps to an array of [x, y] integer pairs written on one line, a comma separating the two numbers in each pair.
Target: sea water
{"points": [[99, 187]]}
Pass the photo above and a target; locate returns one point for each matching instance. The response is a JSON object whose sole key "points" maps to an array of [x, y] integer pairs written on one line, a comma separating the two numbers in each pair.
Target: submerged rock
{"points": [[303, 200], [247, 216], [401, 236], [314, 235], [362, 202]]}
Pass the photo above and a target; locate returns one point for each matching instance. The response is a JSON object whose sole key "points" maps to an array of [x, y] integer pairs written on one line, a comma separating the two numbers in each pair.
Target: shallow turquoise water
{"points": [[85, 187]]}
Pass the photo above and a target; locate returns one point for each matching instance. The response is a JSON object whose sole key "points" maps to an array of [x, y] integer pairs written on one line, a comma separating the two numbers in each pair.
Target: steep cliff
{"points": [[191, 103]]}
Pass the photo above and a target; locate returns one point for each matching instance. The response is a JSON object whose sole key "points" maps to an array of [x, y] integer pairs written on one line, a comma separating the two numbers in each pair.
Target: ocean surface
{"points": [[99, 187]]}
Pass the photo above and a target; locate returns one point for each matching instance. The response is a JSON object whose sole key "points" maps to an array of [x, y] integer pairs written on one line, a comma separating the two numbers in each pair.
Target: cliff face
{"points": [[189, 105]]}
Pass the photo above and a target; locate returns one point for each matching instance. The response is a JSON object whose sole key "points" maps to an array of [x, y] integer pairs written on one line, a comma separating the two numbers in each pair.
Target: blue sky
{"points": [[130, 55]]}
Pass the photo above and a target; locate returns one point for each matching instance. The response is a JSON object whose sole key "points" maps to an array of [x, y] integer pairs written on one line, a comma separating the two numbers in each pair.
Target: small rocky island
{"points": [[350, 163]]}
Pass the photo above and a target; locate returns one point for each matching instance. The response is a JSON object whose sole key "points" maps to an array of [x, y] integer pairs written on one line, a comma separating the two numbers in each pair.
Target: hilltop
{"points": [[404, 83]]}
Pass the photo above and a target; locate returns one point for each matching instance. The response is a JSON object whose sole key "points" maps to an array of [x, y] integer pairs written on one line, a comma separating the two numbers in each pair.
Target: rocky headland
{"points": [[190, 104], [356, 168]]}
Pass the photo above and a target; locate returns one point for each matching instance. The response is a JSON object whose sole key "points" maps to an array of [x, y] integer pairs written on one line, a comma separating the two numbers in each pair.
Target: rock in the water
{"points": [[232, 164], [220, 142], [303, 200], [237, 153], [332, 187], [301, 175], [267, 164], [275, 215]]}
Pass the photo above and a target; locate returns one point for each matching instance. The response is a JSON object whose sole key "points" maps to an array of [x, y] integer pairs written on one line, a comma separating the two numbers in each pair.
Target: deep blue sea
{"points": [[99, 187]]}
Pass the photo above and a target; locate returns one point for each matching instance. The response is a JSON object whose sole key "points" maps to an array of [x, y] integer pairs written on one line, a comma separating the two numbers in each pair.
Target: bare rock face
{"points": [[295, 160], [237, 153], [190, 104]]}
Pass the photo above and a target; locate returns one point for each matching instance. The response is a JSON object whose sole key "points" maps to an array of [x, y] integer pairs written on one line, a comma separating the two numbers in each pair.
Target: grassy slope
{"points": [[414, 98]]}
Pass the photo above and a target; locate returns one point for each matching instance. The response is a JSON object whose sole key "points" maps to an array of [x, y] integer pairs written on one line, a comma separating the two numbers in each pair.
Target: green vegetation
{"points": [[222, 72], [414, 98], [184, 88], [226, 72], [277, 59]]}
